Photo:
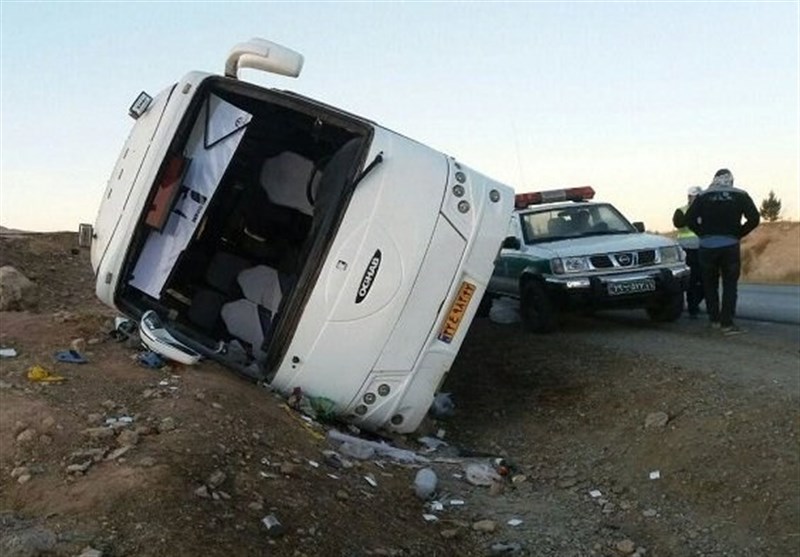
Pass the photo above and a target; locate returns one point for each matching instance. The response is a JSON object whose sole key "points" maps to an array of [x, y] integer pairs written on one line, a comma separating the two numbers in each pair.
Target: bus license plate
{"points": [[457, 311], [631, 287]]}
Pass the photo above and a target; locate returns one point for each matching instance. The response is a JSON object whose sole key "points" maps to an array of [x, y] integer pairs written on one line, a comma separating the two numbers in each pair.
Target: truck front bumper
{"points": [[629, 289]]}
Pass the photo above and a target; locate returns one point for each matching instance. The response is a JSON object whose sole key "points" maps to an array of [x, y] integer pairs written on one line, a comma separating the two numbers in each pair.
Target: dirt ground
{"points": [[584, 426]]}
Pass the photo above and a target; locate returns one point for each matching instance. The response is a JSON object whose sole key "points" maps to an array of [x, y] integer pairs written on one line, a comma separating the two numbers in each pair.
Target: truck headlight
{"points": [[671, 254], [569, 265]]}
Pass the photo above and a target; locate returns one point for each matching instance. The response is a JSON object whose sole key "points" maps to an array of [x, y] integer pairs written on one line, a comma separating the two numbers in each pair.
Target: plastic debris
{"points": [[273, 525], [430, 517], [437, 506], [371, 480], [655, 474], [70, 357], [39, 374], [432, 443], [8, 353], [425, 483], [514, 522], [150, 359], [456, 502], [443, 406], [596, 493], [315, 407], [481, 473], [313, 463], [353, 446]]}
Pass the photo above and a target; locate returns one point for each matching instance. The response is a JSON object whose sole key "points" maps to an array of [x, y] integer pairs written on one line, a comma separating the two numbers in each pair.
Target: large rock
{"points": [[17, 292]]}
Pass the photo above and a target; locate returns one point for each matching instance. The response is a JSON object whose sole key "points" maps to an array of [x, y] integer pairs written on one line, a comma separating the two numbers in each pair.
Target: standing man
{"points": [[716, 217], [690, 244]]}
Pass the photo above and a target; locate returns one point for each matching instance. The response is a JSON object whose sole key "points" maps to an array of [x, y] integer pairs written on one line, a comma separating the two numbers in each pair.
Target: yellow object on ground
{"points": [[41, 375]]}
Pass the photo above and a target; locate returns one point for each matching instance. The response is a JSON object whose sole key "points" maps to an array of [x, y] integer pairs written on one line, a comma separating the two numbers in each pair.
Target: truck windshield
{"points": [[559, 223]]}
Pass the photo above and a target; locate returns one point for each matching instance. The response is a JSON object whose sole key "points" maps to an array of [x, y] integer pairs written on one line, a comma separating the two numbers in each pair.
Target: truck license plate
{"points": [[631, 287]]}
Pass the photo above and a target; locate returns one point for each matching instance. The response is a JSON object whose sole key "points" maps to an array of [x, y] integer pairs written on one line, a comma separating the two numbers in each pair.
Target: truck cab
{"points": [[296, 243]]}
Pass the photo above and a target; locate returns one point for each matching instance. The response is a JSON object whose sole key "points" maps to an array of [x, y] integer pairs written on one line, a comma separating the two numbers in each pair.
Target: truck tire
{"points": [[667, 309], [537, 310]]}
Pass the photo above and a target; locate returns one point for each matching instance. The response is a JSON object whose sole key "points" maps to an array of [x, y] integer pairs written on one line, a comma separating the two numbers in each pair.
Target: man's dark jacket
{"points": [[718, 211]]}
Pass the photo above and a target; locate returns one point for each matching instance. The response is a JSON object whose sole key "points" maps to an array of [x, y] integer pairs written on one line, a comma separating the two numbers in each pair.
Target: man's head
{"points": [[693, 192], [723, 178]]}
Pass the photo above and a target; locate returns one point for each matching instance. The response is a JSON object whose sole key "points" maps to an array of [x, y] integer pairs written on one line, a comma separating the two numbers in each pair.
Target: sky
{"points": [[640, 100]]}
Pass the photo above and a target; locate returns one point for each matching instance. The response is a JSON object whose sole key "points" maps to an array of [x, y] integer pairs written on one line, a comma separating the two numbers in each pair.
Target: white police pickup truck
{"points": [[299, 244], [564, 252]]}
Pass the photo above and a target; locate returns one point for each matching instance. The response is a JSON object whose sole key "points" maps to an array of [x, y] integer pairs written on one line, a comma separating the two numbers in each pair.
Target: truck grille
{"points": [[627, 259]]}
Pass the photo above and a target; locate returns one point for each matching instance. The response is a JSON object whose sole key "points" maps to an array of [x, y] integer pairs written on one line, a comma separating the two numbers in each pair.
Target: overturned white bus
{"points": [[296, 243]]}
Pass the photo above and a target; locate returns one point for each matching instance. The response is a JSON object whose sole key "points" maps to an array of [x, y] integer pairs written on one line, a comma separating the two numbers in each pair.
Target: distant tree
{"points": [[770, 208]]}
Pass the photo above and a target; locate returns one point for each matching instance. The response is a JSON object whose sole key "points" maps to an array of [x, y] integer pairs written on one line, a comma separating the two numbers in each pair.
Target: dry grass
{"points": [[771, 253]]}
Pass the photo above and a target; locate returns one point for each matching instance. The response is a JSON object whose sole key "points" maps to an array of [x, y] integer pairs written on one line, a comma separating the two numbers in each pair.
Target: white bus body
{"points": [[298, 244]]}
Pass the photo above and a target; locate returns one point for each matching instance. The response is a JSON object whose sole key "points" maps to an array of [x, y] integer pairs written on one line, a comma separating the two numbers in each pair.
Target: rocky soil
{"points": [[606, 447]]}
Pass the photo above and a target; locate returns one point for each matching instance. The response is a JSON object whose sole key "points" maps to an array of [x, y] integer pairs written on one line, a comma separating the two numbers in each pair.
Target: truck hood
{"points": [[590, 245]]}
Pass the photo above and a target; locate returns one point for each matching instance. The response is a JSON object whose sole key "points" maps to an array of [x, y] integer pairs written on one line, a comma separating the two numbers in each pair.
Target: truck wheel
{"points": [[668, 309], [537, 311]]}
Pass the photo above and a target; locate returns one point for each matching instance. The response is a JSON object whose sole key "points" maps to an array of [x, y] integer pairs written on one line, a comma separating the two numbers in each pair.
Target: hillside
{"points": [[771, 253]]}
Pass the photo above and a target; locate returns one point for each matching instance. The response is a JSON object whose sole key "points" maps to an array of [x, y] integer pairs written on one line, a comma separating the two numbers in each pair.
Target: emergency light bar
{"points": [[522, 200]]}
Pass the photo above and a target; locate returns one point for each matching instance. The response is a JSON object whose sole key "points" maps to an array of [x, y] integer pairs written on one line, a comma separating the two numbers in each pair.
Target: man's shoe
{"points": [[732, 330]]}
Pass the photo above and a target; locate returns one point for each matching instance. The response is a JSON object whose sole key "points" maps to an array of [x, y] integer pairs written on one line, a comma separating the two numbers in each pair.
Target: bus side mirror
{"points": [[511, 242], [639, 226]]}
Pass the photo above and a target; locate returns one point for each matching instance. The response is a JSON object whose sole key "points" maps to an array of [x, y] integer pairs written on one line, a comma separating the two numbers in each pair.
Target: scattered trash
{"points": [[70, 357], [40, 375], [313, 463], [501, 548], [514, 522], [655, 474], [8, 353], [440, 433], [481, 474], [430, 517], [150, 359], [273, 525], [432, 443], [456, 502], [315, 407], [124, 420], [443, 406], [335, 460], [371, 480], [501, 466], [425, 483], [436, 506], [356, 447], [595, 493], [123, 329]]}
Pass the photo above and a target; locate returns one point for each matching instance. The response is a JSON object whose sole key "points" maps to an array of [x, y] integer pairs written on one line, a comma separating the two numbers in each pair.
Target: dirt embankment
{"points": [[771, 253], [614, 449]]}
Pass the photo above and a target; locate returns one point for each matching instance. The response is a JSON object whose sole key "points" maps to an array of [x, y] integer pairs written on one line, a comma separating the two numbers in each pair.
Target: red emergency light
{"points": [[522, 200]]}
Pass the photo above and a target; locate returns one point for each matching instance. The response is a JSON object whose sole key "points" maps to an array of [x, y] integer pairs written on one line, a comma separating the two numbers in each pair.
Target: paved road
{"points": [[774, 303]]}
